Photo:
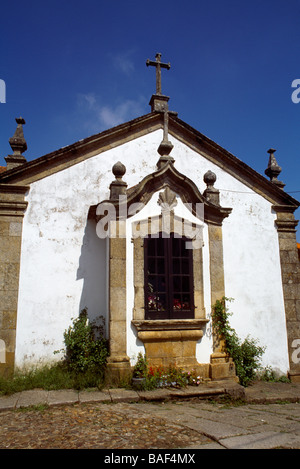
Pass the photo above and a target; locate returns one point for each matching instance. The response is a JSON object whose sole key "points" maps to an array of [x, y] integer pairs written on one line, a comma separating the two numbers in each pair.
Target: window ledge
{"points": [[170, 324]]}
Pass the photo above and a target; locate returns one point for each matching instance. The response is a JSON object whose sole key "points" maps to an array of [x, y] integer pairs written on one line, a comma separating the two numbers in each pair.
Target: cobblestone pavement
{"points": [[121, 419], [169, 425], [92, 426], [250, 426]]}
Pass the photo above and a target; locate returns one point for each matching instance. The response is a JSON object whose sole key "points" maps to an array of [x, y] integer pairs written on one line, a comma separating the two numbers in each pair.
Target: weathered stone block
{"points": [[118, 368], [290, 291], [10, 276], [8, 300], [170, 347], [138, 250], [139, 311], [288, 244], [117, 303], [15, 229], [220, 371], [117, 248], [215, 233], [189, 348], [139, 277], [293, 256], [10, 249], [294, 376], [290, 309], [9, 318], [4, 228], [117, 275], [117, 337]]}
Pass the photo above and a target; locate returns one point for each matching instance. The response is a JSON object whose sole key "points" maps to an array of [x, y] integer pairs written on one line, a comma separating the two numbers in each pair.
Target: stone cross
{"points": [[158, 64]]}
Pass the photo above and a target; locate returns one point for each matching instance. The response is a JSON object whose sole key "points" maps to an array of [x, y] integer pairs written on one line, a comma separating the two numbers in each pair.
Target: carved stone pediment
{"points": [[168, 178]]}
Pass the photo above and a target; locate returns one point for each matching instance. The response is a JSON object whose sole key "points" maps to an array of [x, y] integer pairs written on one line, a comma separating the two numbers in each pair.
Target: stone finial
{"points": [[210, 178], [18, 142], [165, 146], [118, 170], [18, 145], [273, 170], [211, 193], [118, 187]]}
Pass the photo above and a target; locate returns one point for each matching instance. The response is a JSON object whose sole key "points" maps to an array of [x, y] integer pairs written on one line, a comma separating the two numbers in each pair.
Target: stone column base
{"points": [[222, 367], [118, 368], [7, 368], [294, 376]]}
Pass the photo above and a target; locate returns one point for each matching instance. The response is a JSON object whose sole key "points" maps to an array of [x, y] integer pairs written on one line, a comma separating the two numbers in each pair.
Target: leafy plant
{"points": [[86, 349], [246, 355], [269, 375], [141, 367]]}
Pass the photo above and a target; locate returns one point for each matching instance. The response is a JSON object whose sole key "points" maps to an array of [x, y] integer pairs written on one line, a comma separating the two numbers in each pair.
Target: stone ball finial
{"points": [[118, 170], [211, 193], [209, 178], [118, 186]]}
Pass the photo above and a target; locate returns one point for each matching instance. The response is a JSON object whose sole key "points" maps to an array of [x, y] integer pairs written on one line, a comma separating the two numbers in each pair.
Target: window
{"points": [[168, 278]]}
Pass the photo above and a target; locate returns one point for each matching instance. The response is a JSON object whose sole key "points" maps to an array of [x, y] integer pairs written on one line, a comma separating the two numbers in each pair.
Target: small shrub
{"points": [[246, 355], [84, 351], [141, 367], [269, 375]]}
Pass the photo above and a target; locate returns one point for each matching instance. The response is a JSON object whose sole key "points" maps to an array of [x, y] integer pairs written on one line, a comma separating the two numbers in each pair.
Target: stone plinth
{"points": [[170, 342]]}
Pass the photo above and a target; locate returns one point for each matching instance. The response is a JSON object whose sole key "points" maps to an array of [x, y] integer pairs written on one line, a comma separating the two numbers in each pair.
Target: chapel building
{"points": [[147, 225]]}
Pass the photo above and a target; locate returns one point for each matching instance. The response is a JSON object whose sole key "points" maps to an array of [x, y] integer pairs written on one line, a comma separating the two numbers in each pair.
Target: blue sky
{"points": [[75, 68]]}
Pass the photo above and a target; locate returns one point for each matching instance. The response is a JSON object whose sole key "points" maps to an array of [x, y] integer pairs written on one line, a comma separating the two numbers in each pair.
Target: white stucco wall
{"points": [[63, 262]]}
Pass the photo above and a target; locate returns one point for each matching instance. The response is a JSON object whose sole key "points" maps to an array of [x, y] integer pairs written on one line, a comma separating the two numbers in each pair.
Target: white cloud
{"points": [[97, 117], [124, 62], [127, 110], [86, 100]]}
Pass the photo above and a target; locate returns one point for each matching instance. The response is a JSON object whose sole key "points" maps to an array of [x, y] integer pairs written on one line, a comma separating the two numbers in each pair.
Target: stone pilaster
{"points": [[118, 361], [290, 269], [221, 366], [12, 208]]}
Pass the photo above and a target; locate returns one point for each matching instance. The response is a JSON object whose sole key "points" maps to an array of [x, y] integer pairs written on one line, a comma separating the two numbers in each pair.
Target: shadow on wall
{"points": [[93, 270]]}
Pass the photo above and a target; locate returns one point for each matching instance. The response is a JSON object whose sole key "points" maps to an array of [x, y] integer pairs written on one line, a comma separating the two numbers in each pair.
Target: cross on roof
{"points": [[158, 64]]}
